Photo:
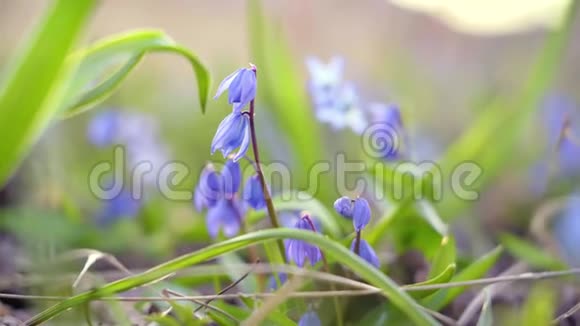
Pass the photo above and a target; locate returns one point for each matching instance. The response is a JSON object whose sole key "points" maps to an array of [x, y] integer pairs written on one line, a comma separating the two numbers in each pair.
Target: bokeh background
{"points": [[443, 62]]}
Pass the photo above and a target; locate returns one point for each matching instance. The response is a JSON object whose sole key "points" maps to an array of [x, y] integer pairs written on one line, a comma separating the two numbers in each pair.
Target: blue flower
{"points": [[300, 251], [389, 126], [232, 178], [366, 252], [241, 86], [343, 206], [233, 132], [361, 213], [124, 205], [309, 319], [102, 129], [253, 194], [567, 230], [335, 101], [358, 210], [225, 215], [209, 188]]}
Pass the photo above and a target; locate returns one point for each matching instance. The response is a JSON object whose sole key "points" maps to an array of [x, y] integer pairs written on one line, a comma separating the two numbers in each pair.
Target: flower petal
{"points": [[222, 132], [245, 144], [361, 213], [226, 83]]}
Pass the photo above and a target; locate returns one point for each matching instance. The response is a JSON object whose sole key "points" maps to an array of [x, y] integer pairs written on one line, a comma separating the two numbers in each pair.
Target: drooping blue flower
{"points": [[253, 194], [273, 282], [124, 205], [366, 252], [358, 210], [361, 213], [209, 188], [387, 130], [232, 178], [309, 319], [343, 206], [233, 132], [300, 251], [225, 215], [241, 86], [335, 101]]}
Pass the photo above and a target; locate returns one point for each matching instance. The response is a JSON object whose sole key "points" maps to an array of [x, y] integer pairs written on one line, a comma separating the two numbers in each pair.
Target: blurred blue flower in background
{"points": [[300, 251], [241, 86], [233, 132], [253, 194], [103, 128], [121, 206], [388, 128], [208, 189], [560, 119], [138, 134], [335, 101], [309, 319], [567, 230]]}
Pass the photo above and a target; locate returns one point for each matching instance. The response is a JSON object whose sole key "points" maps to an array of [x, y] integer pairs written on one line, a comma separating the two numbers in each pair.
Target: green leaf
{"points": [[367, 272], [539, 308], [32, 91], [444, 257], [486, 316], [476, 270], [312, 206], [530, 253], [444, 277], [92, 82]]}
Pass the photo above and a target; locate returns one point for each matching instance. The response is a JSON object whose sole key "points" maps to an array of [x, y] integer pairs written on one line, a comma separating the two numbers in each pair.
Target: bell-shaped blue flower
{"points": [[225, 215], [361, 213], [366, 252], [233, 132], [209, 188], [253, 194], [300, 251], [343, 206], [309, 319], [241, 86], [232, 178]]}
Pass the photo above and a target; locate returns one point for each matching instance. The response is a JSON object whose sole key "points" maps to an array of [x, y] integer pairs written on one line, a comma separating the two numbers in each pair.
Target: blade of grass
{"points": [[30, 95], [366, 271]]}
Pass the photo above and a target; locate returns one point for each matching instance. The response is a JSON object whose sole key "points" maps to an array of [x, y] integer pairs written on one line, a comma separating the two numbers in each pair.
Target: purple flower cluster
{"points": [[218, 192], [359, 211], [337, 104]]}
